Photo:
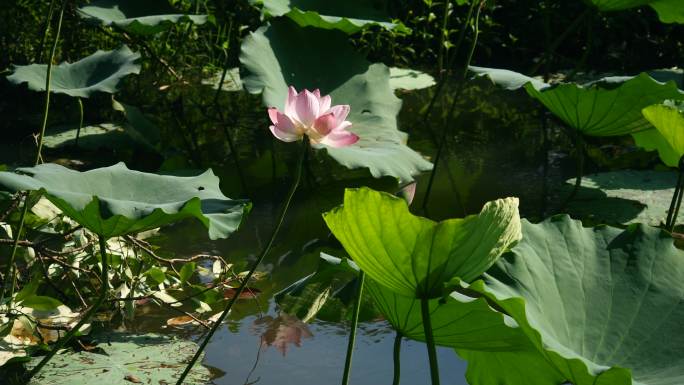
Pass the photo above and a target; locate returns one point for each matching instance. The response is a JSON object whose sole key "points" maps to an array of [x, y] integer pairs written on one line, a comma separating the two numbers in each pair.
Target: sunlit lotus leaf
{"points": [[127, 359], [609, 106], [99, 72], [407, 79], [275, 60], [414, 256], [112, 201], [624, 197], [669, 11], [603, 305], [140, 17], [347, 16], [668, 119]]}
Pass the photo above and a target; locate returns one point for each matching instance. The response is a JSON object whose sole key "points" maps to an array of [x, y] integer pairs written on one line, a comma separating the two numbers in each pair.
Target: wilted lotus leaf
{"points": [[99, 72], [414, 256], [603, 305], [140, 17], [112, 201], [275, 60], [282, 331]]}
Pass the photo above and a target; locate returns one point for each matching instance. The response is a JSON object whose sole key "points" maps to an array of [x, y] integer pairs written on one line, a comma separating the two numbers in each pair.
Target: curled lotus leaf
{"points": [[274, 60], [603, 305], [669, 11], [349, 16], [609, 106], [146, 17], [668, 119], [415, 256], [99, 72], [112, 201]]}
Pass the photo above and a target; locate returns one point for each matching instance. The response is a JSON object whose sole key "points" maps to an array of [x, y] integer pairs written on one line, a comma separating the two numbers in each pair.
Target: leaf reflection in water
{"points": [[282, 331]]}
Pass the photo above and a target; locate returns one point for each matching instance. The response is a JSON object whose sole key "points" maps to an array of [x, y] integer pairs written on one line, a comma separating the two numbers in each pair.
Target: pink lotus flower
{"points": [[308, 113]]}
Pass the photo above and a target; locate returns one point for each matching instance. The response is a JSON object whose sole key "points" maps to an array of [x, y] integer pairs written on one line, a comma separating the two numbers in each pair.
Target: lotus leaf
{"points": [[105, 135], [112, 201], [146, 359], [140, 17], [274, 58], [139, 128], [623, 197], [99, 72], [415, 256], [408, 79], [669, 11], [348, 16], [603, 305], [609, 106], [231, 82], [668, 119]]}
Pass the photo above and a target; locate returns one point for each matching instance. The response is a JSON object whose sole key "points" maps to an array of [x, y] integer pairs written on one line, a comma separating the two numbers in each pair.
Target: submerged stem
{"points": [[397, 358], [579, 144], [245, 280], [676, 202], [352, 332], [86, 317], [430, 340]]}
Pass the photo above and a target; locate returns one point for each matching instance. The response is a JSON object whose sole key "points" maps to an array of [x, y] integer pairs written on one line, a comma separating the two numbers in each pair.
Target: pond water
{"points": [[491, 154]]}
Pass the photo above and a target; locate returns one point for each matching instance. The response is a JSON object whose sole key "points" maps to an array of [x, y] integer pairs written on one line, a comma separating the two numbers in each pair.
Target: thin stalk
{"points": [[9, 276], [676, 202], [430, 340], [445, 33], [46, 28], [48, 80], [561, 38], [80, 121], [579, 146], [274, 234], [397, 358], [86, 318], [452, 108], [352, 332], [444, 77]]}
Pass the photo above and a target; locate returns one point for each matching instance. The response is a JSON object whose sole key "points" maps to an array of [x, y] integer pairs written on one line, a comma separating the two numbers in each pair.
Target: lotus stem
{"points": [[352, 332], [445, 23], [452, 108], [430, 340], [243, 284], [86, 317], [676, 202], [46, 28], [579, 146], [48, 80], [10, 273], [80, 121], [560, 39], [397, 358]]}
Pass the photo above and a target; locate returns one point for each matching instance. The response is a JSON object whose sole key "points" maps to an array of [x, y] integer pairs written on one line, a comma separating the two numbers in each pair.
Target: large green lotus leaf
{"points": [[604, 305], [99, 72], [348, 16], [127, 359], [114, 200], [516, 367], [652, 140], [275, 59], [668, 119], [146, 17], [610, 106], [624, 197], [669, 11], [93, 137], [415, 256]]}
